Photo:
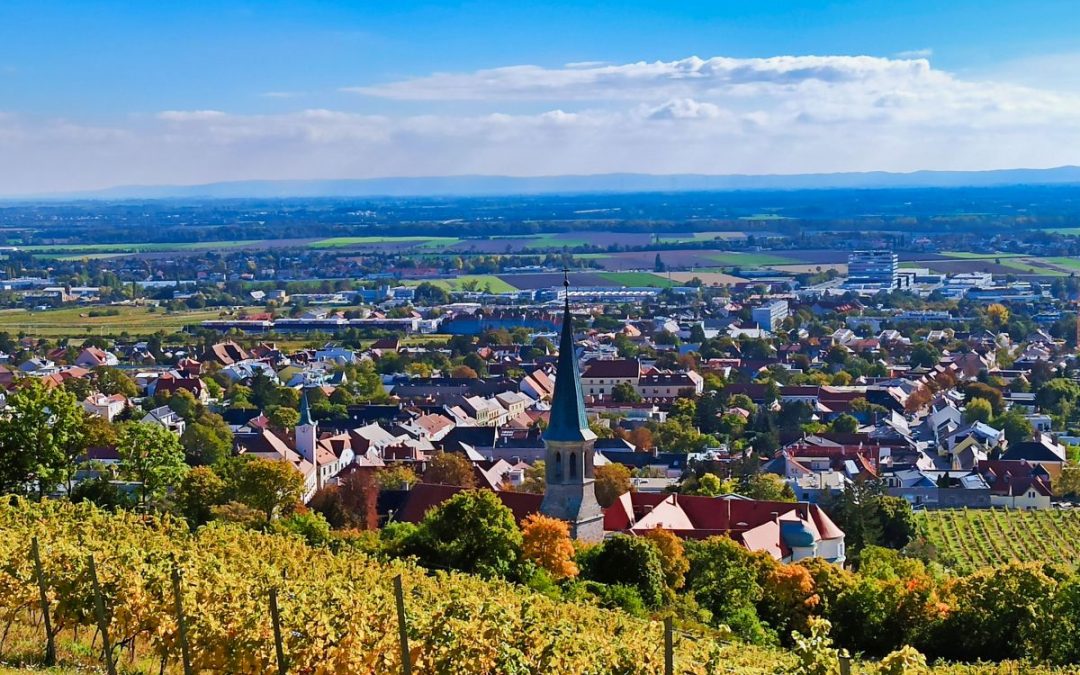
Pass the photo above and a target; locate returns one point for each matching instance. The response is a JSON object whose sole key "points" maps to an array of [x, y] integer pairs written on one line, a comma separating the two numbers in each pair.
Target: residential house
{"points": [[105, 407], [599, 377]]}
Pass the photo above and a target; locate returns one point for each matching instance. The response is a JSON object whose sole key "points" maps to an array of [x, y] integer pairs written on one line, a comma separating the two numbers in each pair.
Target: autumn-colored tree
{"points": [[918, 400], [612, 481], [464, 372], [998, 314], [642, 438], [673, 559], [546, 542], [450, 469], [359, 492], [788, 597], [398, 477]]}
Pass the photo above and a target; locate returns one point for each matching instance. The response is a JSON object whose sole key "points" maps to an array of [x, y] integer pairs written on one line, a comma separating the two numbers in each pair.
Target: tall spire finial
{"points": [[567, 421]]}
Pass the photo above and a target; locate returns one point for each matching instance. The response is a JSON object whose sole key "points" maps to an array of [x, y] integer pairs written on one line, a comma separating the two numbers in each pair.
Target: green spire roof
{"points": [[568, 420], [305, 411]]}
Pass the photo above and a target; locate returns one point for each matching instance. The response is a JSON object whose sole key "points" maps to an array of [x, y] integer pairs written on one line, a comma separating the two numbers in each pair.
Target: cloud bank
{"points": [[785, 114]]}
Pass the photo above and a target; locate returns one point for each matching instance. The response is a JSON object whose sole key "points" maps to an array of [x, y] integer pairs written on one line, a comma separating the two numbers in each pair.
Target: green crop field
{"points": [[483, 281], [92, 249], [690, 237], [750, 259], [76, 321], [968, 539], [1033, 266], [764, 217], [554, 241], [638, 279], [1071, 264], [348, 242], [980, 256]]}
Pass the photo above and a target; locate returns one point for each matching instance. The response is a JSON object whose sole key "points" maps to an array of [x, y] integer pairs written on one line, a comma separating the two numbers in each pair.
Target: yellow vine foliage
{"points": [[337, 610]]}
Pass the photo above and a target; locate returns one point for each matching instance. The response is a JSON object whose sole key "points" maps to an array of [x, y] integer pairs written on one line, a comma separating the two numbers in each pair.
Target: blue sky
{"points": [[100, 93]]}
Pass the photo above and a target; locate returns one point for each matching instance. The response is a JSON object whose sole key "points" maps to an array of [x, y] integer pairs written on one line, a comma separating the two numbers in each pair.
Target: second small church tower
{"points": [[570, 494]]}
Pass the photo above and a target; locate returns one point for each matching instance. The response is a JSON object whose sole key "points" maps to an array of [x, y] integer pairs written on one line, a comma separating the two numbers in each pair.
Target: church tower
{"points": [[306, 431], [570, 494]]}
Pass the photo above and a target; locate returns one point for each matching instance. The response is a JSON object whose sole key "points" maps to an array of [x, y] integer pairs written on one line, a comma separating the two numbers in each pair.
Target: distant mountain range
{"points": [[596, 183]]}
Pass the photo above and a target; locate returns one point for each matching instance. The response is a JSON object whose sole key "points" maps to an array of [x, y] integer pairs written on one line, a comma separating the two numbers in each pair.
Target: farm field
{"points": [[1030, 266], [551, 279], [764, 217], [349, 242], [1067, 264], [75, 321], [483, 281], [811, 269], [967, 539], [979, 256], [748, 259], [91, 249], [707, 278], [638, 279], [687, 237]]}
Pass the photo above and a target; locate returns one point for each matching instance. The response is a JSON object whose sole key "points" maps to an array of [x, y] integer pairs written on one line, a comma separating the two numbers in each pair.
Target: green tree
{"points": [[151, 455], [472, 532], [110, 381], [283, 418], [207, 440], [924, 355], [766, 487], [845, 424], [898, 524], [630, 561], [978, 410], [999, 613], [624, 392], [1017, 428], [857, 512], [723, 580], [272, 487], [199, 491], [40, 438]]}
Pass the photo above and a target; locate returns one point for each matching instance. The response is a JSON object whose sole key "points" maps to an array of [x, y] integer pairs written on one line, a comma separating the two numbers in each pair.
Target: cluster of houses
{"points": [[912, 433]]}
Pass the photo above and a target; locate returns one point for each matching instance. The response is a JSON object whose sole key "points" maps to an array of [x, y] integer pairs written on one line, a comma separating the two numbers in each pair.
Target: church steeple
{"points": [[307, 432], [570, 492], [305, 411], [568, 421]]}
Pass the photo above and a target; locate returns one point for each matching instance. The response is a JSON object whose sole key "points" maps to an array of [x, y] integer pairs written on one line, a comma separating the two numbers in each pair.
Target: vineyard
{"points": [[113, 579], [337, 611], [970, 539]]}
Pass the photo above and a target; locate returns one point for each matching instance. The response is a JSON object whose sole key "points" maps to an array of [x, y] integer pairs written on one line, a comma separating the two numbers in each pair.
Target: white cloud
{"points": [[189, 115], [915, 54], [788, 114], [650, 79], [685, 109]]}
